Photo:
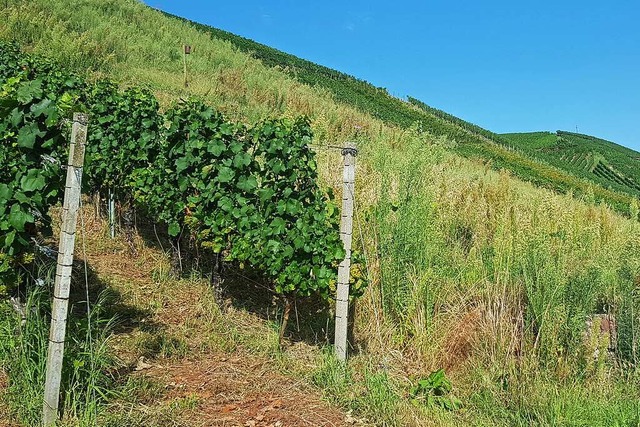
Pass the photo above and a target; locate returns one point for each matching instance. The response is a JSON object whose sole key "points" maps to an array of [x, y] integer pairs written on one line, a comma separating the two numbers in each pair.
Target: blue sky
{"points": [[508, 66]]}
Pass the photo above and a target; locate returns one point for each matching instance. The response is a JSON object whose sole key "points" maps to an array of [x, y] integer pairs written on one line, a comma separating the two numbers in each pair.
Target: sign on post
{"points": [[186, 50]]}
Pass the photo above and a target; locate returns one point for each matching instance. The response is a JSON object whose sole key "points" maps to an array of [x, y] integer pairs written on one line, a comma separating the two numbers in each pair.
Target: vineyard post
{"points": [[346, 233], [112, 214], [186, 50], [59, 309]]}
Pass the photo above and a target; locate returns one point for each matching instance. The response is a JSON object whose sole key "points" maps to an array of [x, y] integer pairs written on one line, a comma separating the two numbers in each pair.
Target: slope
{"points": [[472, 270], [347, 108], [473, 141], [604, 162]]}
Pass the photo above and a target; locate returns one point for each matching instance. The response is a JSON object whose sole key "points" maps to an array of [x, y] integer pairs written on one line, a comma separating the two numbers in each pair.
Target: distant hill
{"points": [[603, 162]]}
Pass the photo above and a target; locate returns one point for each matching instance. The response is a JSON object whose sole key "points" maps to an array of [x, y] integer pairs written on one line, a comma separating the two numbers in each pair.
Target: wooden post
{"points": [[186, 50], [346, 234], [96, 202], [59, 309]]}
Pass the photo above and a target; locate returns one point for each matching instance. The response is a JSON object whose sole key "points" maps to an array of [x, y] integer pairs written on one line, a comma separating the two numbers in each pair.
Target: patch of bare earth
{"points": [[209, 387], [242, 391], [5, 420]]}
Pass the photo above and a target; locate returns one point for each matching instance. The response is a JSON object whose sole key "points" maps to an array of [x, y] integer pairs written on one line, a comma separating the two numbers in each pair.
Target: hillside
{"points": [[507, 286], [603, 162], [472, 140], [266, 93]]}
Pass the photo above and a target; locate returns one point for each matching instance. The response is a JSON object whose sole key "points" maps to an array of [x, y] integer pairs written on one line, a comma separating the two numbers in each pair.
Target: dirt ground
{"points": [[208, 388], [243, 392]]}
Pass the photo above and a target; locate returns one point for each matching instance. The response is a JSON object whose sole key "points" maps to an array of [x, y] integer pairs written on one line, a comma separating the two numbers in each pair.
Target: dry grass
{"points": [[5, 420], [208, 368]]}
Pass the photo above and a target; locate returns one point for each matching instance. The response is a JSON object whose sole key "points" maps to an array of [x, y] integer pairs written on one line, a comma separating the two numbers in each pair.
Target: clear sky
{"points": [[508, 66]]}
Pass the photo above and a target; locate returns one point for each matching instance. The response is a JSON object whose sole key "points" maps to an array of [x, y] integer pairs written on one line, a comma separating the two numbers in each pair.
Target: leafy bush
{"points": [[32, 146], [123, 136], [249, 194]]}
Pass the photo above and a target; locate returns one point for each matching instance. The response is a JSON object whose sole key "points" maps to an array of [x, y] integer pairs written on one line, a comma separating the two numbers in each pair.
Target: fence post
{"points": [[59, 309], [186, 50], [346, 233], [112, 214]]}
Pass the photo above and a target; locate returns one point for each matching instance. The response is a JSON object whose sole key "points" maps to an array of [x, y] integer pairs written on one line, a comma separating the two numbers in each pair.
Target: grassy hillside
{"points": [[603, 162], [472, 140], [472, 270], [342, 107]]}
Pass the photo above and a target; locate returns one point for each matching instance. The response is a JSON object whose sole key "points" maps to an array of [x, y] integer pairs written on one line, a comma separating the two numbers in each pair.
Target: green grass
{"points": [[570, 404], [23, 353], [472, 270], [602, 162]]}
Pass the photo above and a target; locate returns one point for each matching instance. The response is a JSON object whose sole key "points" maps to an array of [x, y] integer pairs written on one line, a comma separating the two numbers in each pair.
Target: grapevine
{"points": [[249, 193]]}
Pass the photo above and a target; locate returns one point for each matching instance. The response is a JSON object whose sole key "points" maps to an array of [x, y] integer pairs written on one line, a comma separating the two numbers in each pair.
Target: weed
{"points": [[435, 390], [23, 354]]}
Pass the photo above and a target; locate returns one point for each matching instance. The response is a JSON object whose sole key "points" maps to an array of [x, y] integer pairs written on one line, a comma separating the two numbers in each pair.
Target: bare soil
{"points": [[243, 391], [209, 386]]}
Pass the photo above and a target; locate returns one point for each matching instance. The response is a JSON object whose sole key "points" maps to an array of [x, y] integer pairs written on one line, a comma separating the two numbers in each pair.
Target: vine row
{"points": [[249, 193]]}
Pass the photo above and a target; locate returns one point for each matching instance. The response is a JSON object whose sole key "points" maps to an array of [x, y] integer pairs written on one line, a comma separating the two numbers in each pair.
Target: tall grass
{"points": [[487, 276], [23, 355], [471, 270]]}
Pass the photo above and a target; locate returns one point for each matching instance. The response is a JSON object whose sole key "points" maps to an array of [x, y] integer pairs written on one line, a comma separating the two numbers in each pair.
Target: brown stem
{"points": [[285, 319], [176, 257], [216, 281], [96, 202], [128, 219]]}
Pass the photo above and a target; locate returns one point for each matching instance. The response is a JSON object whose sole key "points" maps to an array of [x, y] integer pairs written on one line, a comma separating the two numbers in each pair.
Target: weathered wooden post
{"points": [[59, 310], [346, 234], [186, 50]]}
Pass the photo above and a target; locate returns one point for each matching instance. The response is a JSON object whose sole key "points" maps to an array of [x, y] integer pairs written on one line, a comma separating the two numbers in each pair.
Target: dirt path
{"points": [[243, 391], [208, 386]]}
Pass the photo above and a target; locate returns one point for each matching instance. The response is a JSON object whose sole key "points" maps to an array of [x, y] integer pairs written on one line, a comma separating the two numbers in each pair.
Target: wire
{"points": [[329, 147]]}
